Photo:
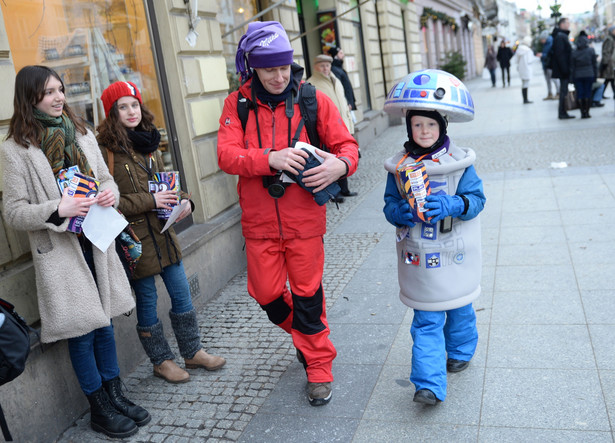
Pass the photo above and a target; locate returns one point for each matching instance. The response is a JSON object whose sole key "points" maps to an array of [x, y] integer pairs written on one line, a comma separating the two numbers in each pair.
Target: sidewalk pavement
{"points": [[543, 370]]}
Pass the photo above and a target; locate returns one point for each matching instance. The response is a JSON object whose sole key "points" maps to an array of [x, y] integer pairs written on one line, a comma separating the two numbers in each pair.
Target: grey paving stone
{"points": [[602, 342], [536, 234], [599, 307], [391, 400], [552, 346], [372, 431], [549, 399], [489, 434], [536, 307], [535, 278], [362, 343], [275, 428]]}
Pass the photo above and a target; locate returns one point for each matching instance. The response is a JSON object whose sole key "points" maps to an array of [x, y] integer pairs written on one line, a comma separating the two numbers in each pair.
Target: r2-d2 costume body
{"points": [[439, 270]]}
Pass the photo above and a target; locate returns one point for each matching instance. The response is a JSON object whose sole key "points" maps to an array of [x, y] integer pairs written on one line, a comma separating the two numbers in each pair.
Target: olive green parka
{"points": [[132, 171]]}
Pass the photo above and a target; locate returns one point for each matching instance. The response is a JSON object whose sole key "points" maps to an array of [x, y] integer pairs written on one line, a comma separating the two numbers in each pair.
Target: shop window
{"points": [[233, 17], [91, 44]]}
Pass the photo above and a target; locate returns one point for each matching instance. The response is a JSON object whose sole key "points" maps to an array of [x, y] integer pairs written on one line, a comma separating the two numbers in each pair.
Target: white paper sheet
{"points": [[177, 209], [102, 224]]}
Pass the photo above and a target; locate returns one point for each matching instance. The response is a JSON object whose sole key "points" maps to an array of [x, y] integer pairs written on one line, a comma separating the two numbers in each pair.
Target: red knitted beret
{"points": [[117, 90]]}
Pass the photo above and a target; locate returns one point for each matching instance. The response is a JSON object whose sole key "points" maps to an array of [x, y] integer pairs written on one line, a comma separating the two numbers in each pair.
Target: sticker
{"points": [[401, 233], [428, 232], [432, 260], [412, 258], [459, 257]]}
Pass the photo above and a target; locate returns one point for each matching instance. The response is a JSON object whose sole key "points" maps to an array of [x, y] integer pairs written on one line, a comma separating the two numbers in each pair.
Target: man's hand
{"points": [[322, 176], [288, 159]]}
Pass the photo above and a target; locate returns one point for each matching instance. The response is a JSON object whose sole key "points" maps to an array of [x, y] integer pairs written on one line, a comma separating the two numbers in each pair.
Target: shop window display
{"points": [[91, 44]]}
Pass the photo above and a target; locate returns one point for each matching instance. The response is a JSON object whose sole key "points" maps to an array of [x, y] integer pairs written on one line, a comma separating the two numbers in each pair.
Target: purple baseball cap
{"points": [[264, 45]]}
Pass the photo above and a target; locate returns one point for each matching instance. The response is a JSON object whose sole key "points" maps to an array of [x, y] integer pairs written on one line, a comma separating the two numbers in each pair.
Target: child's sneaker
{"points": [[319, 393], [425, 396]]}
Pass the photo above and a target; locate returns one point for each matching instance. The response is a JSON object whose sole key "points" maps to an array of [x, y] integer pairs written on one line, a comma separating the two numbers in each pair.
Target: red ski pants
{"points": [[301, 311]]}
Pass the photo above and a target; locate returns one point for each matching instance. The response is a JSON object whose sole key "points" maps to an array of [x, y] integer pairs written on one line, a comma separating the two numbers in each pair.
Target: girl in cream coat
{"points": [[79, 287]]}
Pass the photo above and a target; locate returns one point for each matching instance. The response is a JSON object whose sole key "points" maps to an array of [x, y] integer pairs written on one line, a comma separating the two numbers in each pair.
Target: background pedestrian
{"points": [[324, 80], [545, 57], [560, 63], [525, 58], [607, 60], [583, 72], [504, 55], [491, 63]]}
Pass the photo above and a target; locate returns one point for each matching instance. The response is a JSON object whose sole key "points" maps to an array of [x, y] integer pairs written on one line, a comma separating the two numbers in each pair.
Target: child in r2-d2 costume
{"points": [[438, 250]]}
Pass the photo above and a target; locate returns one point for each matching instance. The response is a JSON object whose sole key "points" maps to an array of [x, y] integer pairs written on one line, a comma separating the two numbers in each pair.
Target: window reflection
{"points": [[234, 13], [91, 44]]}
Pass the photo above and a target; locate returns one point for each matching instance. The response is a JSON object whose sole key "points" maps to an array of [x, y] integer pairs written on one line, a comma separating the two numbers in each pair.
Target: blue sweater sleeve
{"points": [[471, 187], [391, 198]]}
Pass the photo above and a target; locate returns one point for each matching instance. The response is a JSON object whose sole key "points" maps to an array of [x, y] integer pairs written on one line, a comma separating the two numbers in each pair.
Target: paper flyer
{"points": [[414, 183], [79, 186], [102, 224]]}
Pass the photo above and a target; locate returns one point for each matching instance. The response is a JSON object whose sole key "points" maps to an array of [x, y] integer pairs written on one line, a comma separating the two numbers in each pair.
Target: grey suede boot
{"points": [[159, 352], [186, 328], [154, 343]]}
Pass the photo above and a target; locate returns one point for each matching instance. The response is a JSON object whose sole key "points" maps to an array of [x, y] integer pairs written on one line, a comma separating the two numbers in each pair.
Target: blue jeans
{"points": [[94, 358], [598, 93], [583, 87], [174, 278], [438, 335]]}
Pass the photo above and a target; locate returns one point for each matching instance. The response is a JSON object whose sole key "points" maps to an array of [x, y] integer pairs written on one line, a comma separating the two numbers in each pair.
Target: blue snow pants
{"points": [[438, 335]]}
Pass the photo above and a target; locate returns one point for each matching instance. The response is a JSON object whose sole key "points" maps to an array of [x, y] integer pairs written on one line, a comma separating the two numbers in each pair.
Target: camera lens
{"points": [[276, 190]]}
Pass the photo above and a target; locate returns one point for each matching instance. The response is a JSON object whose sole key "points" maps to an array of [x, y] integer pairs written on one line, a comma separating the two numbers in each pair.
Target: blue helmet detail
{"points": [[431, 90]]}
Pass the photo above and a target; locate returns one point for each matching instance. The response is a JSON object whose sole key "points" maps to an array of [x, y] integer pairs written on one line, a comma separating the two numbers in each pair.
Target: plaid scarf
{"points": [[58, 143]]}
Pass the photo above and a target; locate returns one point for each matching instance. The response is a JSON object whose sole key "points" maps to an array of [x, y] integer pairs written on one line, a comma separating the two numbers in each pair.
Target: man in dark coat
{"points": [[560, 63], [338, 70]]}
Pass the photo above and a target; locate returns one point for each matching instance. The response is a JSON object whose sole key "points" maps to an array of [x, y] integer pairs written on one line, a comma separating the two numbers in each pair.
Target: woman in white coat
{"points": [[525, 57], [79, 288]]}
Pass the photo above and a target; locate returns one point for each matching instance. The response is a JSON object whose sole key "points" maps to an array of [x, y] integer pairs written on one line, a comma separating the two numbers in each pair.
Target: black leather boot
{"points": [[139, 415], [524, 93], [588, 104], [106, 419]]}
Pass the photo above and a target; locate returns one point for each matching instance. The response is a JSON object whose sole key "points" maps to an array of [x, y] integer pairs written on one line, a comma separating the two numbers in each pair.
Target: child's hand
{"points": [[442, 206], [401, 215]]}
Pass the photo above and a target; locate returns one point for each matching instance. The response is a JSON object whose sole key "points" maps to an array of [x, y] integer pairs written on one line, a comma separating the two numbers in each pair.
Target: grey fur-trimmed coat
{"points": [[69, 300]]}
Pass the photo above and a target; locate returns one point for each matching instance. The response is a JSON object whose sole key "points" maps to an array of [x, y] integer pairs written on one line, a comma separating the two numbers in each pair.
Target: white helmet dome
{"points": [[431, 90]]}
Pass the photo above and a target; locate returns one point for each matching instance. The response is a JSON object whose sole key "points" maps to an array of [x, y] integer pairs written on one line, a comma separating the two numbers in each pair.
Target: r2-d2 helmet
{"points": [[431, 90]]}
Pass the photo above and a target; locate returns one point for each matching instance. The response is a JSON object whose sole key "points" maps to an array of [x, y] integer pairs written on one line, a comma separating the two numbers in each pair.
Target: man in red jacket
{"points": [[282, 223]]}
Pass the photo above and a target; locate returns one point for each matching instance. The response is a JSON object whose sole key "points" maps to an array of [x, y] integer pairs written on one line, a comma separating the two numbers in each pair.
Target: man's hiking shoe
{"points": [[319, 393]]}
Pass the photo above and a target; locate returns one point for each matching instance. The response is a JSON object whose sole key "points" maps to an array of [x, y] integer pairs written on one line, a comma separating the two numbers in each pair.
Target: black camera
{"points": [[275, 186]]}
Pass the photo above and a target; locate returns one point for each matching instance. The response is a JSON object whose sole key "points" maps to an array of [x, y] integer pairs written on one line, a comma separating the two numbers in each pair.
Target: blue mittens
{"points": [[398, 213], [442, 206]]}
